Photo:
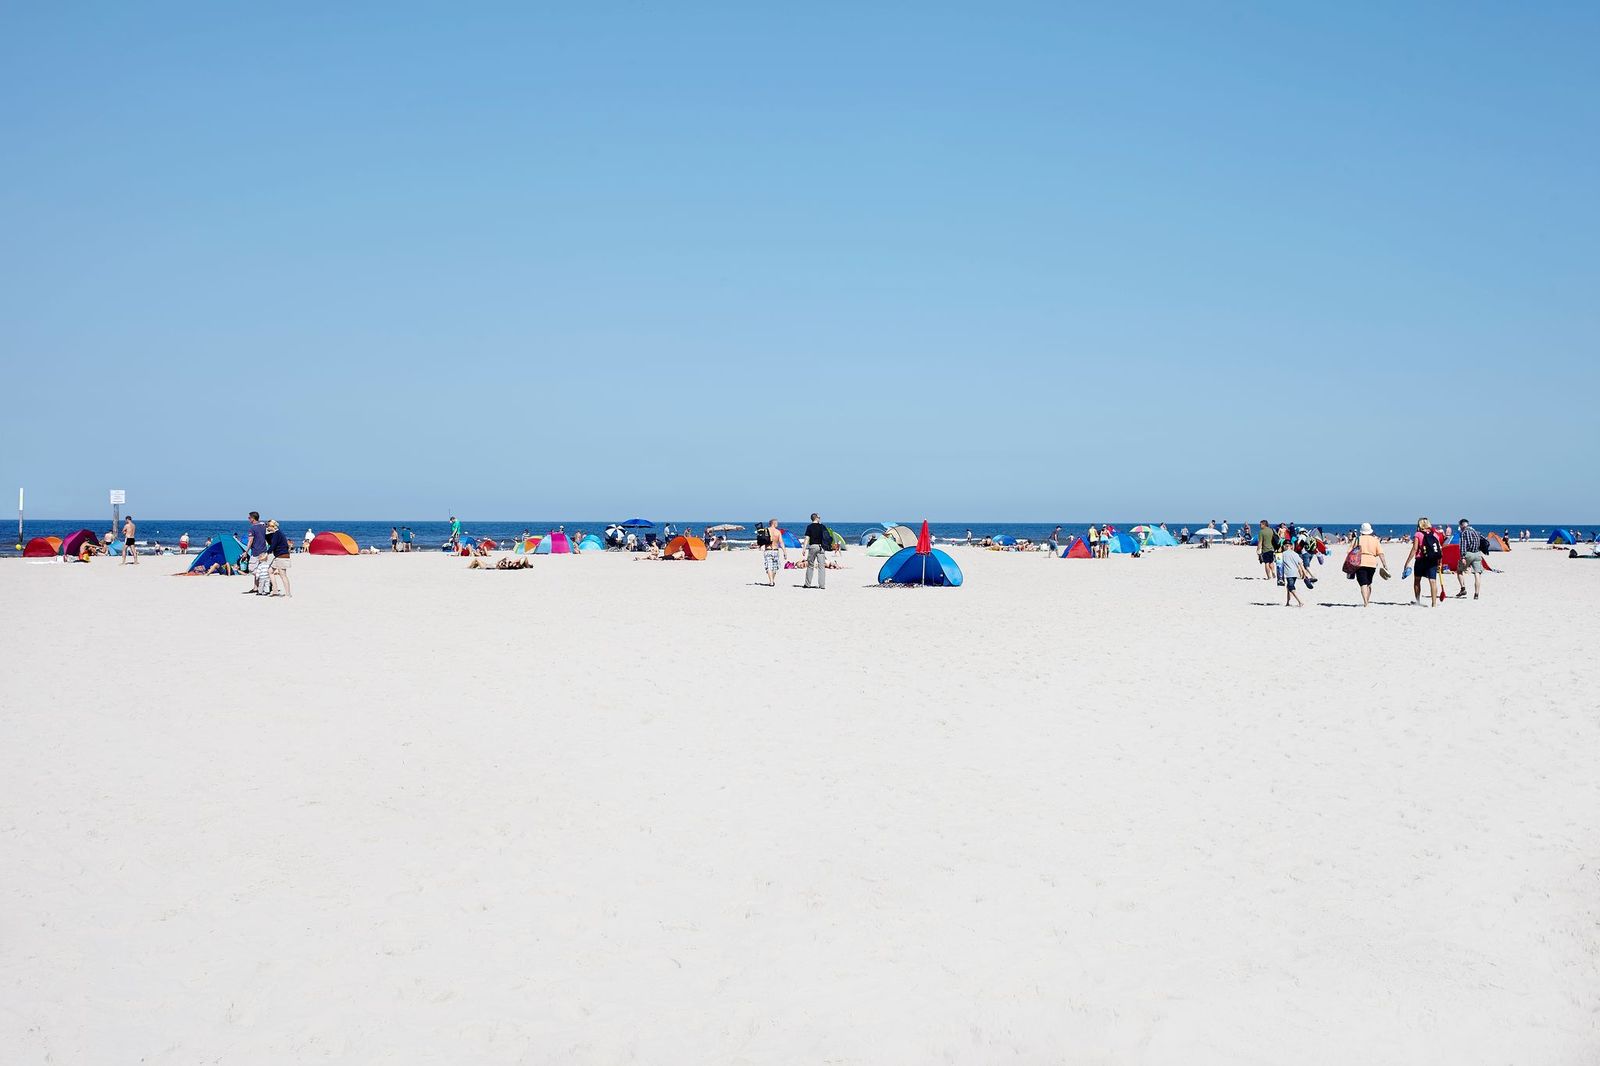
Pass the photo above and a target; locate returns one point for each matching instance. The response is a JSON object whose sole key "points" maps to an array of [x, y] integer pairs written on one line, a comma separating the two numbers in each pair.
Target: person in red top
{"points": [[1427, 548]]}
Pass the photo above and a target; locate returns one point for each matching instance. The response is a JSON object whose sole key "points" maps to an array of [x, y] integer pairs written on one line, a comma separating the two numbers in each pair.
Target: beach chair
{"points": [[649, 541]]}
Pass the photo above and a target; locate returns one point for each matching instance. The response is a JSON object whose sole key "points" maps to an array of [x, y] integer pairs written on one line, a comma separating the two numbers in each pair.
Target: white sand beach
{"points": [[606, 811]]}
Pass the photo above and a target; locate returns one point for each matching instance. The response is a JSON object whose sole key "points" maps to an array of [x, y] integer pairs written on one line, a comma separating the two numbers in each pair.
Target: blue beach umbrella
{"points": [[637, 523]]}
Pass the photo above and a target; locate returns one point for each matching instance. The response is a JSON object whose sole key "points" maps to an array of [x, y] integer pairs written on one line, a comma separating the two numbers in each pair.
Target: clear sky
{"points": [[981, 261]]}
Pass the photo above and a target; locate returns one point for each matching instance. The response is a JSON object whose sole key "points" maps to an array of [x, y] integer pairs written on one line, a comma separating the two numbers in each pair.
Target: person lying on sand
{"points": [[509, 563]]}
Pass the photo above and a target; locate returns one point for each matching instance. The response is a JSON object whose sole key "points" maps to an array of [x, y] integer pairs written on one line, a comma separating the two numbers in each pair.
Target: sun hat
{"points": [[1366, 529]]}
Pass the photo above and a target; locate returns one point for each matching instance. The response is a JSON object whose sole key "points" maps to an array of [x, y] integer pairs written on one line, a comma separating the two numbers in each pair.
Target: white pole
{"points": [[19, 519]]}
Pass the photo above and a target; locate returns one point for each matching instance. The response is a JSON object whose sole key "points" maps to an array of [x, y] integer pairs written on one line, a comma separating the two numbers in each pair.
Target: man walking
{"points": [[773, 554], [129, 530], [1471, 559], [817, 540], [1267, 551], [260, 557]]}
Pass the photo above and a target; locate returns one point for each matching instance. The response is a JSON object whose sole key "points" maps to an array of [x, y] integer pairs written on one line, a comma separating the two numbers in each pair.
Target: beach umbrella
{"points": [[1207, 532], [924, 540], [1005, 540], [726, 527], [637, 523]]}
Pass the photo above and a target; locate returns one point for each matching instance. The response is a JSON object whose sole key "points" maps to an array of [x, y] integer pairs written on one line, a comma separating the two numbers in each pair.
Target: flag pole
{"points": [[19, 519]]}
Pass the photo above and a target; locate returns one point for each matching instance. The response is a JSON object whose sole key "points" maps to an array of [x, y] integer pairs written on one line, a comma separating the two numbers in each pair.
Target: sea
{"points": [[431, 535]]}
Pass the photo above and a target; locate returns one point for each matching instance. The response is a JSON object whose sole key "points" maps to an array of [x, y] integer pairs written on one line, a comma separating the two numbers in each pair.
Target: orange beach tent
{"points": [[333, 544], [687, 547]]}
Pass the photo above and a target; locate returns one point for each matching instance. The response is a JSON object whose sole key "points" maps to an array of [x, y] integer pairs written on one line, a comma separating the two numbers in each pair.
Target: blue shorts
{"points": [[1428, 573]]}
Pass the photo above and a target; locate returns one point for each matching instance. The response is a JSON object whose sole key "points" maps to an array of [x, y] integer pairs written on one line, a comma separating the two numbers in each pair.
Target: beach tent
{"points": [[328, 543], [907, 567], [687, 547], [873, 533], [114, 547], [1079, 550], [905, 535], [1562, 536], [920, 564], [789, 539], [590, 543], [1122, 544], [489, 544], [74, 542], [1450, 559], [554, 543], [1005, 540], [883, 547], [1156, 537], [40, 548], [1494, 542], [226, 552], [838, 539]]}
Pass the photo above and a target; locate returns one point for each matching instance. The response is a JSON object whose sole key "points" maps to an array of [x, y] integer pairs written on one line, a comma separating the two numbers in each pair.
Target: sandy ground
{"points": [[613, 811]]}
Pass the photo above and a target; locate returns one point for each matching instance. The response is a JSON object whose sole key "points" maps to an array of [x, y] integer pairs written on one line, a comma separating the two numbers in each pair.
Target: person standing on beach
{"points": [[278, 551], [769, 538], [1426, 552], [1094, 542], [1294, 569], [1266, 550], [1053, 541], [1471, 559], [394, 538], [455, 533], [129, 531], [817, 541], [260, 557]]}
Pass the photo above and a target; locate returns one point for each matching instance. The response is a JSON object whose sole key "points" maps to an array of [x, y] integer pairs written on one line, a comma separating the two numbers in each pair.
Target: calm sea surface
{"points": [[430, 535]]}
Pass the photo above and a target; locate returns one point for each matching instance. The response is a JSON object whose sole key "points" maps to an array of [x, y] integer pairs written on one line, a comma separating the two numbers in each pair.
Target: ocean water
{"points": [[431, 535]]}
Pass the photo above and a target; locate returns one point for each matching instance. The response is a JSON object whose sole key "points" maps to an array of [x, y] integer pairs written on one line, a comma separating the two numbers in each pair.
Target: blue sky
{"points": [[1020, 262]]}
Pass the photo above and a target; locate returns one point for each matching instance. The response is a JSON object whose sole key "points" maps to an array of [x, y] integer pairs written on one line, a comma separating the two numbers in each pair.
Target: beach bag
{"points": [[1428, 552], [763, 537], [1352, 562]]}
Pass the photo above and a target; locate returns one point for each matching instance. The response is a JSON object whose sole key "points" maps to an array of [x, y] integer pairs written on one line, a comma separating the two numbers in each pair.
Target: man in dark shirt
{"points": [[1471, 559], [260, 558], [818, 540]]}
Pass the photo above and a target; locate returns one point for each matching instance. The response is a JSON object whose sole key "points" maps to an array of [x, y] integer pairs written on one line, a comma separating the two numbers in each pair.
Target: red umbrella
{"points": [[924, 541]]}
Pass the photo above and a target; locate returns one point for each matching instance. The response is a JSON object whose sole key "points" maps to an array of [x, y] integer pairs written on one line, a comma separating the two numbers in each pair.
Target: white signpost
{"points": [[118, 498]]}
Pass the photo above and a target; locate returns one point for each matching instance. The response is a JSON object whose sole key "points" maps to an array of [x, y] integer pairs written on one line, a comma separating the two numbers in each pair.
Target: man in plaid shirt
{"points": [[1471, 559]]}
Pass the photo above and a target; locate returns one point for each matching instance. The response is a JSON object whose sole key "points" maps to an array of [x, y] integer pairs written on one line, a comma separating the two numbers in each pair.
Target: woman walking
{"points": [[1369, 552]]}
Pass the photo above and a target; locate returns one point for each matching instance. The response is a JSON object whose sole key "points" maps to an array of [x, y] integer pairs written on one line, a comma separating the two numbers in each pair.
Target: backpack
{"points": [[1428, 552], [763, 537]]}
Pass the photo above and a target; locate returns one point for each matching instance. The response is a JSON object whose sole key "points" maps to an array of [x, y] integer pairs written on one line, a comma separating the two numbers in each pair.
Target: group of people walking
{"points": [[817, 541], [1286, 553]]}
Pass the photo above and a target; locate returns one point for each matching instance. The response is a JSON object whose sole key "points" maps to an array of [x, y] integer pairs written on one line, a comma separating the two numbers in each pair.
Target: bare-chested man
{"points": [[128, 552], [773, 554]]}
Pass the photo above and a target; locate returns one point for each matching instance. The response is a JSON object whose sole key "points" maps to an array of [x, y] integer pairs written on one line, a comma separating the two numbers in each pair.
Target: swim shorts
{"points": [[1364, 574], [1428, 573], [771, 560], [1471, 561], [1266, 557]]}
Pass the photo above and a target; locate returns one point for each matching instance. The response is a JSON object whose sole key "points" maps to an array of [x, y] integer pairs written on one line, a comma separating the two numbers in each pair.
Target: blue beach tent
{"points": [[906, 567], [790, 540], [1123, 544], [1160, 538], [1562, 536], [1005, 540], [226, 552]]}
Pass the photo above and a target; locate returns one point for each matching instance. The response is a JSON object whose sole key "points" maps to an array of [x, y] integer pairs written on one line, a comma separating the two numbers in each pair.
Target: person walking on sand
{"points": [[774, 556], [129, 531], [1267, 550], [394, 538], [1426, 552], [817, 540], [1471, 559], [1368, 552], [260, 557], [1294, 569], [1053, 541]]}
